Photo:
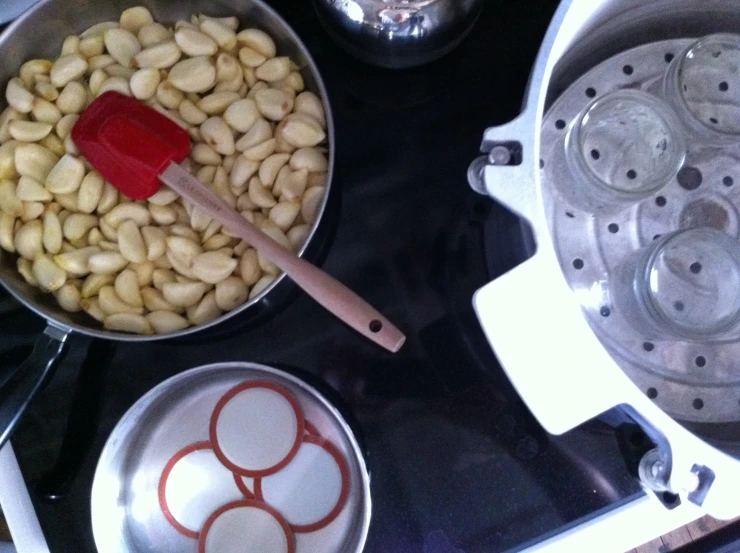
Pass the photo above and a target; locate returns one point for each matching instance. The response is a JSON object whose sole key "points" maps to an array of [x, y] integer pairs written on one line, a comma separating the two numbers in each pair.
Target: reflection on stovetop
{"points": [[458, 464]]}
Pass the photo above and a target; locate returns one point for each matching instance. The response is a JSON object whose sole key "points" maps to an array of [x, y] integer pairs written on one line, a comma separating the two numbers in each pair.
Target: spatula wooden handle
{"points": [[325, 289]]}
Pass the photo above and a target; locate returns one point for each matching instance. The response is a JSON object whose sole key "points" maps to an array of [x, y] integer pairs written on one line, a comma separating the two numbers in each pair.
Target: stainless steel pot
{"points": [[398, 34], [39, 34], [570, 377]]}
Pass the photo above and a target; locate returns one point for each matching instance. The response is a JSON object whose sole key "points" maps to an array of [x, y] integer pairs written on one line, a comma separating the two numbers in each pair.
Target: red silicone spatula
{"points": [[136, 149]]}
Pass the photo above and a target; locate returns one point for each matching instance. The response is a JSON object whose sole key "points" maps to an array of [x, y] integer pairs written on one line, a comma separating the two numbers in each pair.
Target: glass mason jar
{"points": [[621, 149], [702, 85], [684, 286]]}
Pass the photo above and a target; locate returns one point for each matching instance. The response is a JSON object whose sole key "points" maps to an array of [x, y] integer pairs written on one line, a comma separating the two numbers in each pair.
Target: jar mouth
{"points": [[627, 145], [683, 315], [710, 117]]}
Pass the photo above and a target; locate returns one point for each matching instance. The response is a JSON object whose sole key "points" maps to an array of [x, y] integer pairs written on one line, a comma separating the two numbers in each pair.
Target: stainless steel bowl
{"points": [[126, 513], [398, 34], [39, 34]]}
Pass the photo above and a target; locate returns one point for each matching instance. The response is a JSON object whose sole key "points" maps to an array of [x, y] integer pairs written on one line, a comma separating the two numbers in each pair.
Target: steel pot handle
{"points": [[17, 392]]}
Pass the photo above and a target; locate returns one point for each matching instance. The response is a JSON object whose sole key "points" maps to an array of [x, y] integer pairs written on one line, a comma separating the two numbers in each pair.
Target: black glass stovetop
{"points": [[458, 464]]}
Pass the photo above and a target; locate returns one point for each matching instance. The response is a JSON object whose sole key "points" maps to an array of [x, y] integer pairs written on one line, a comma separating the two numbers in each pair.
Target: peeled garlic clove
{"points": [[136, 212], [242, 114], [33, 68], [159, 56], [155, 241], [7, 231], [94, 283], [34, 161], [31, 190], [134, 19], [231, 293], [100, 62], [257, 134], [46, 91], [294, 81], [261, 151], [31, 210], [183, 294], [302, 131], [163, 214], [48, 274], [68, 297], [243, 170], [258, 41], [193, 75], [29, 240], [169, 96], [73, 98], [206, 311], [273, 104], [65, 124], [223, 35], [216, 103], [249, 268], [90, 192], [310, 104], [10, 203], [165, 322], [311, 203], [111, 303], [91, 46], [28, 131], [66, 69], [106, 263], [44, 112], [294, 186], [270, 167], [284, 214], [261, 285], [131, 243], [144, 83], [26, 271], [213, 267], [251, 58], [91, 306], [76, 263], [7, 160], [191, 113], [52, 233], [194, 43], [298, 235], [122, 45], [273, 69], [205, 155], [66, 175], [154, 300], [217, 134], [127, 287], [78, 225], [216, 242], [309, 158], [164, 196], [184, 249], [260, 196], [18, 97], [128, 322], [153, 33]]}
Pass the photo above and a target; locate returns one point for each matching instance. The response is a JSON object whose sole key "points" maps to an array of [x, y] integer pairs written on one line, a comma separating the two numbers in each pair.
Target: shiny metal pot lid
{"points": [[231, 456]]}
